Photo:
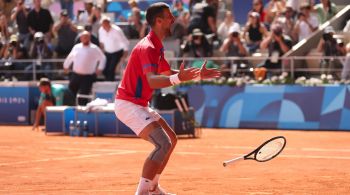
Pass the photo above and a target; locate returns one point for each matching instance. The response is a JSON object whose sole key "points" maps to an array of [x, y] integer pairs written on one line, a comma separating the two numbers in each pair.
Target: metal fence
{"points": [[307, 66]]}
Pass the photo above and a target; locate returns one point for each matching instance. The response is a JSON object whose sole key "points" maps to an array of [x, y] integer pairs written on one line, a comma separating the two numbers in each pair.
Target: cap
{"points": [[64, 12], [255, 14], [329, 29], [277, 29], [197, 32], [13, 38], [305, 5], [233, 29], [39, 35], [105, 18], [44, 82]]}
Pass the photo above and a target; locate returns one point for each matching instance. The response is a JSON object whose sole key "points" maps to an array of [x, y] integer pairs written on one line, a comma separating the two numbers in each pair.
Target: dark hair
{"points": [[154, 11]]}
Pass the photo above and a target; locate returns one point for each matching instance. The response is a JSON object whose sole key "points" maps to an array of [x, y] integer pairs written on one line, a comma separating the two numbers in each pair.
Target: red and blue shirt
{"points": [[147, 56]]}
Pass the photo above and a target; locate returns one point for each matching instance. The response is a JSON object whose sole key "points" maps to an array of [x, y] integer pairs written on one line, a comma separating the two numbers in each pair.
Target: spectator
{"points": [[93, 38], [204, 17], [254, 32], [306, 23], [109, 35], [325, 10], [277, 44], [95, 19], [88, 61], [180, 26], [40, 50], [137, 28], [329, 46], [286, 20], [273, 8], [345, 75], [20, 15], [258, 6], [50, 95], [66, 32], [226, 25], [14, 51], [233, 47], [196, 45], [68, 5], [4, 31], [40, 20], [83, 15]]}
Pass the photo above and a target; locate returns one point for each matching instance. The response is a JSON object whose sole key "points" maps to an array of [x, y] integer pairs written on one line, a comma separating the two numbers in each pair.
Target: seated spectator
{"points": [[233, 47], [180, 27], [273, 8], [137, 28], [258, 6], [306, 23], [254, 31], [286, 20], [196, 45], [50, 95], [329, 46], [14, 50], [224, 27], [277, 44], [325, 10], [66, 32]]}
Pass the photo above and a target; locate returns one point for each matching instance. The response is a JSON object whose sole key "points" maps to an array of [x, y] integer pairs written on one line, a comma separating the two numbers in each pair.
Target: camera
{"points": [[235, 34], [327, 37]]}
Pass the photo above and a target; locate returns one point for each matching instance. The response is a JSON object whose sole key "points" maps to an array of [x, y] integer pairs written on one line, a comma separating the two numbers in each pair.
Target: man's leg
{"points": [[173, 138], [158, 136]]}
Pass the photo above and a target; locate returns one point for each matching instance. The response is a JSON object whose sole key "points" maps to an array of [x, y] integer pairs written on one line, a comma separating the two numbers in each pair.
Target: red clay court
{"points": [[313, 162]]}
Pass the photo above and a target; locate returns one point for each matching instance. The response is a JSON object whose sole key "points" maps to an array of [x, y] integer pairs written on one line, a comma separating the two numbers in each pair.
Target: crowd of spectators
{"points": [[29, 31]]}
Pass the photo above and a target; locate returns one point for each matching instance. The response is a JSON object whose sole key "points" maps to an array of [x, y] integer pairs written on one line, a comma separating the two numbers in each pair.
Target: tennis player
{"points": [[148, 70]]}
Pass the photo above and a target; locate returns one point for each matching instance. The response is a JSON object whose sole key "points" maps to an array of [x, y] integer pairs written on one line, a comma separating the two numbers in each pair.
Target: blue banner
{"points": [[272, 107]]}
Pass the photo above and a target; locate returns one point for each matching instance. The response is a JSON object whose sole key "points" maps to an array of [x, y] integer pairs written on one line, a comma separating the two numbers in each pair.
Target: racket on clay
{"points": [[265, 152]]}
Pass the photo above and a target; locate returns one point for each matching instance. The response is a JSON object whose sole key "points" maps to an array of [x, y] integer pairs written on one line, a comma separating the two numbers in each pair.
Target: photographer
{"points": [[39, 51], [233, 47], [329, 46], [277, 44], [12, 51]]}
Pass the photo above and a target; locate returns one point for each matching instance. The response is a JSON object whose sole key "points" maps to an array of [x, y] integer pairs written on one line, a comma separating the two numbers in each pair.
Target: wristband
{"points": [[174, 79]]}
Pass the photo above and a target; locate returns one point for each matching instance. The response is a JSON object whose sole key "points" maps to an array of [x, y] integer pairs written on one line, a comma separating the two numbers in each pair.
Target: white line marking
{"points": [[68, 158]]}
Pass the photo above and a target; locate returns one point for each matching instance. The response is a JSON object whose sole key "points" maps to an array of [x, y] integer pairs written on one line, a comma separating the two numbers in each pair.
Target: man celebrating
{"points": [[148, 70]]}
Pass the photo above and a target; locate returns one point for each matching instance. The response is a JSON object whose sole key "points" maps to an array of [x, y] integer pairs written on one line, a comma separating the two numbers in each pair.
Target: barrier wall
{"points": [[272, 107], [17, 101]]}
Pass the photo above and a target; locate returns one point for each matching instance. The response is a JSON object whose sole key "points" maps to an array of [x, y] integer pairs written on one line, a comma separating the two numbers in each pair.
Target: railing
{"points": [[239, 66]]}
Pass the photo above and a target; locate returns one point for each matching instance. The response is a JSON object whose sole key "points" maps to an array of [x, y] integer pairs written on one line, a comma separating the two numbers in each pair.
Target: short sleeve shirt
{"points": [[147, 56]]}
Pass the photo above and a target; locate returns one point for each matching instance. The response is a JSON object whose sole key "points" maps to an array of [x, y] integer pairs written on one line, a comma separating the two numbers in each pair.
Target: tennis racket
{"points": [[265, 152]]}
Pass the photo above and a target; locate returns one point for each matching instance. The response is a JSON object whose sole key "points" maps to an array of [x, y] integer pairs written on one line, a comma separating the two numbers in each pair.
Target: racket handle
{"points": [[228, 162]]}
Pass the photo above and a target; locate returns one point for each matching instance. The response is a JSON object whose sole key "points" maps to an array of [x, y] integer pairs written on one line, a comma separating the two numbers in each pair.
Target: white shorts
{"points": [[136, 117]]}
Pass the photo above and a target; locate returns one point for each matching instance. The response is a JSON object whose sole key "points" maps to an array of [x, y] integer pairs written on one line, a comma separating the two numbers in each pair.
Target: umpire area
{"points": [[313, 162]]}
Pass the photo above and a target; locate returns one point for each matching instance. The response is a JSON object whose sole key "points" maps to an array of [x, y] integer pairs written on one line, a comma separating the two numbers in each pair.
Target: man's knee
{"points": [[162, 143]]}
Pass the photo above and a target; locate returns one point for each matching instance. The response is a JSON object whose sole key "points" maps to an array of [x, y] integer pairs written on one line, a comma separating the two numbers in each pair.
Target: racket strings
{"points": [[270, 150]]}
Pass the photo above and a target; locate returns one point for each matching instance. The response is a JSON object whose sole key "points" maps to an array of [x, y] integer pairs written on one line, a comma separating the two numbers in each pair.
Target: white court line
{"points": [[68, 158]]}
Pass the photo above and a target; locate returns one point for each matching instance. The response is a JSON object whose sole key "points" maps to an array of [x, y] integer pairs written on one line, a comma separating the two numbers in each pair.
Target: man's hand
{"points": [[188, 74], [209, 73]]}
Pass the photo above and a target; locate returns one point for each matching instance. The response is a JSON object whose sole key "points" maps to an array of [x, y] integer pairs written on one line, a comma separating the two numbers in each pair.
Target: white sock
{"points": [[143, 187]]}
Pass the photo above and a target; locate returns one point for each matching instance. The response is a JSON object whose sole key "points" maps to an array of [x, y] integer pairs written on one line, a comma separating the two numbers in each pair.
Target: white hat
{"points": [[234, 28], [329, 29]]}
